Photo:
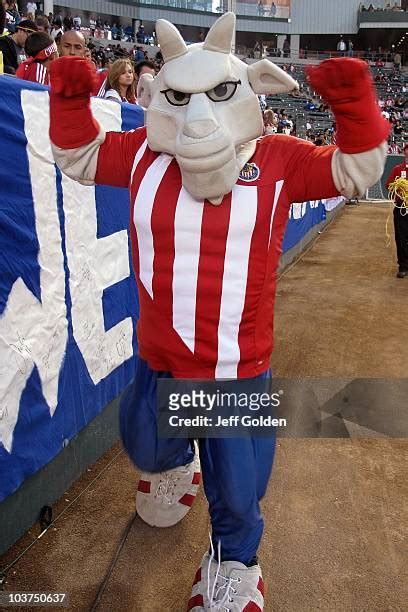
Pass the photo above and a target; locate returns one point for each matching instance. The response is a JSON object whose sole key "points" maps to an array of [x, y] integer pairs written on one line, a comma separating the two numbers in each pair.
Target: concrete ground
{"points": [[336, 509]]}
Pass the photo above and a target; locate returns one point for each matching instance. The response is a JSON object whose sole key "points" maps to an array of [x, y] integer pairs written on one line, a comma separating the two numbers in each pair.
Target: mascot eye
{"points": [[223, 91], [177, 98]]}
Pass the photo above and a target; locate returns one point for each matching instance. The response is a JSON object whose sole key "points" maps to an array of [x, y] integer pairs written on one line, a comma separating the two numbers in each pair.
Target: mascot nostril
{"points": [[207, 274]]}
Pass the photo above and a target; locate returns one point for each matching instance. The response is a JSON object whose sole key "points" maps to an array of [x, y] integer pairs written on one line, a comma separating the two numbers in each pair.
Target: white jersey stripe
{"points": [[278, 189], [187, 235], [142, 217], [242, 222], [138, 157]]}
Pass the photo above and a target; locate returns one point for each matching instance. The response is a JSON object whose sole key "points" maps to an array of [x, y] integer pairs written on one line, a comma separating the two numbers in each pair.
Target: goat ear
{"points": [[221, 34], [144, 90], [170, 40], [267, 78]]}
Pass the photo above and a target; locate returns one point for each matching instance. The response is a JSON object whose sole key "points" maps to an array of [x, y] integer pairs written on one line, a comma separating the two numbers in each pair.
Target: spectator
{"points": [[350, 51], [398, 128], [397, 61], [144, 67], [42, 23], [257, 50], [77, 22], [12, 46], [2, 18], [73, 44], [261, 8], [139, 55], [92, 26], [68, 22], [273, 9], [12, 16], [31, 8], [41, 51], [286, 47], [140, 34], [394, 149], [57, 30], [270, 122], [115, 31], [341, 47], [121, 82], [400, 218], [128, 33]]}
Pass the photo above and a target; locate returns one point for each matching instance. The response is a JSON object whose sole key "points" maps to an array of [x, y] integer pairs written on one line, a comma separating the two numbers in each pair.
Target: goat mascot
{"points": [[209, 207]]}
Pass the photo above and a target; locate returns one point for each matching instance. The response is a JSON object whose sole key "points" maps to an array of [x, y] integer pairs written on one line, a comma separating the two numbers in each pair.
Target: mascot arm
{"points": [[80, 146], [347, 86]]}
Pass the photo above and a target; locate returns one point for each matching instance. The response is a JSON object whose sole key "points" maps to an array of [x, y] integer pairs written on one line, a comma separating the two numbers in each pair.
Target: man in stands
{"points": [[42, 23], [68, 22], [41, 51], [401, 218], [73, 44], [12, 46], [144, 67]]}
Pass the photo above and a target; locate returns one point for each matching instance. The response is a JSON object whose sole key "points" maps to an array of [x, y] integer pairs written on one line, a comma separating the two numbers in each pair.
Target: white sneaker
{"points": [[229, 586], [163, 499]]}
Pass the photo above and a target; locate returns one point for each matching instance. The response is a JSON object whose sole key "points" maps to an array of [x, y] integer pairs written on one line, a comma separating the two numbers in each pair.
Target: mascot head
{"points": [[203, 108]]}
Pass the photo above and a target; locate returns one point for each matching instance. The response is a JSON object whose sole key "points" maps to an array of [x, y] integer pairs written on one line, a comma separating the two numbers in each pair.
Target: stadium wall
{"points": [[307, 17], [324, 17]]}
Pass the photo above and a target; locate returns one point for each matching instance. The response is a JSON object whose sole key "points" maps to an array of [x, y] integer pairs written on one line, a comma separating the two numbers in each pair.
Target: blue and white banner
{"points": [[68, 300], [304, 216]]}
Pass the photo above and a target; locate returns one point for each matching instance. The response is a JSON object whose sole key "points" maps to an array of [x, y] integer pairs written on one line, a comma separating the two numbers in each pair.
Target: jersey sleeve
{"points": [[308, 170], [116, 157]]}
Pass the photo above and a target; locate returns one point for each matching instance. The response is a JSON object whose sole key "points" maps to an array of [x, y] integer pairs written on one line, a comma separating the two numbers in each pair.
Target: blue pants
{"points": [[235, 470]]}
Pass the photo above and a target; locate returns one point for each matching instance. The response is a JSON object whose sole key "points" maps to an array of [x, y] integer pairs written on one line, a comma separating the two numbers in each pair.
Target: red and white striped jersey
{"points": [[207, 274], [33, 71]]}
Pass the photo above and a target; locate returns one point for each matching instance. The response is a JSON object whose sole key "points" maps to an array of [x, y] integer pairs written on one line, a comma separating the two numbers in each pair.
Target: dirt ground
{"points": [[336, 510]]}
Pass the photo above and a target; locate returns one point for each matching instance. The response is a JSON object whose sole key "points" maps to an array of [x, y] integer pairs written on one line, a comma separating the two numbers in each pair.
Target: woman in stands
{"points": [[270, 122], [121, 80], [41, 51]]}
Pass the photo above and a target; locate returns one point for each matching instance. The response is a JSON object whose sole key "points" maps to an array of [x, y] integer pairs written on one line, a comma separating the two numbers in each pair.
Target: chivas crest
{"points": [[250, 172]]}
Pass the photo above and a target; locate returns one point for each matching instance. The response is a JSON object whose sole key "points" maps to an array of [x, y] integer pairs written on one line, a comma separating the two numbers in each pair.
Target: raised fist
{"points": [[341, 80], [347, 86], [72, 76]]}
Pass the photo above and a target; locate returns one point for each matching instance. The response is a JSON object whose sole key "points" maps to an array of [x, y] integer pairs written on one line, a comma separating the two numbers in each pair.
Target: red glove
{"points": [[346, 85], [71, 122]]}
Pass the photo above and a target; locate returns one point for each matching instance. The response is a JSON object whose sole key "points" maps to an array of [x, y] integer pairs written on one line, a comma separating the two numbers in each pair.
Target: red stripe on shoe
{"points": [[197, 600], [261, 586], [196, 478], [187, 499], [252, 607], [144, 486], [197, 577]]}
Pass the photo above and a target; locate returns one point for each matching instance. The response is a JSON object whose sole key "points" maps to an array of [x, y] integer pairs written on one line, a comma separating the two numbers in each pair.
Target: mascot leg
{"points": [[235, 477], [171, 470]]}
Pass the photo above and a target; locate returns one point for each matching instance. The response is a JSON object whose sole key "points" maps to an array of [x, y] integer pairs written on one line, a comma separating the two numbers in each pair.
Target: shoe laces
{"points": [[218, 600], [168, 482]]}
